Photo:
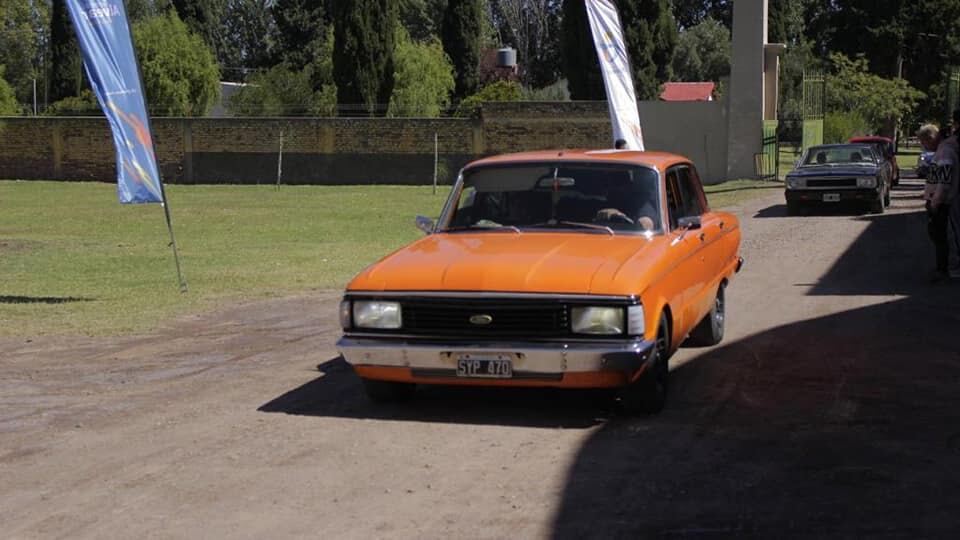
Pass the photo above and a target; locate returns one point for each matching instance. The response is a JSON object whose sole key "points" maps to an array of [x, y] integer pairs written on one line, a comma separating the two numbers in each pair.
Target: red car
{"points": [[885, 149]]}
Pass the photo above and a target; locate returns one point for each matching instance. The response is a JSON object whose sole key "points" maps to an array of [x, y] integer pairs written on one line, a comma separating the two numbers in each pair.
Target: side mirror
{"points": [[425, 224], [690, 223]]}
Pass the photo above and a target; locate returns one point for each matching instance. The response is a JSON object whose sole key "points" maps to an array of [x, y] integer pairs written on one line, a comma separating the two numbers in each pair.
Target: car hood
{"points": [[571, 263], [835, 170]]}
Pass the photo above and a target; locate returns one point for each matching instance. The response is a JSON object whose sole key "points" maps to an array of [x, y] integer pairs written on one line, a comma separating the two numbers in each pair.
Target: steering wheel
{"points": [[612, 214]]}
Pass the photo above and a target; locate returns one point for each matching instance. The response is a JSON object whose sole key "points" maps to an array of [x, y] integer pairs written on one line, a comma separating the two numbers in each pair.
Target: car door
{"points": [[711, 249], [690, 268]]}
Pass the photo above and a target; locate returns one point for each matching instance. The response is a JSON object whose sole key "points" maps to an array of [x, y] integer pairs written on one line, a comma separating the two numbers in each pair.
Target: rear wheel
{"points": [[710, 330], [388, 391], [648, 394]]}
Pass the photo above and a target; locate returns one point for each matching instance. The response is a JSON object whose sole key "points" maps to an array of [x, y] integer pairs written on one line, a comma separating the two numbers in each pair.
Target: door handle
{"points": [[703, 237], [722, 224]]}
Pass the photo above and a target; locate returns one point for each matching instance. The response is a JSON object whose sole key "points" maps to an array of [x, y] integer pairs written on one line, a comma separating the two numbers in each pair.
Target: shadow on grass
{"points": [[6, 299]]}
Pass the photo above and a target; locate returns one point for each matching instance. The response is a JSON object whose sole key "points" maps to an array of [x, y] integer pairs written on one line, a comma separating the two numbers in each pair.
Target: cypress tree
{"points": [[460, 34], [580, 64], [66, 76], [364, 42]]}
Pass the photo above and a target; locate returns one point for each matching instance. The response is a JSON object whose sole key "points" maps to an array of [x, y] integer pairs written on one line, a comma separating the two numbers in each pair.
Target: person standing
{"points": [[953, 217], [939, 192]]}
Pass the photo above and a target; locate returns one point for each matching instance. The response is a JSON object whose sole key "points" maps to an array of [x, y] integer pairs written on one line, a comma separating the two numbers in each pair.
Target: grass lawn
{"points": [[75, 261]]}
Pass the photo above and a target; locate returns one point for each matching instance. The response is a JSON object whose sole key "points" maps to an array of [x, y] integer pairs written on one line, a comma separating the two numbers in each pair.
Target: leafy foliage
{"points": [[204, 18], [461, 41], [424, 78], [579, 58], [690, 13], [249, 36], [66, 77], [497, 91], [703, 52], [300, 31], [180, 75], [8, 101], [650, 33], [24, 30], [876, 99], [839, 126], [364, 41], [83, 105], [282, 91]]}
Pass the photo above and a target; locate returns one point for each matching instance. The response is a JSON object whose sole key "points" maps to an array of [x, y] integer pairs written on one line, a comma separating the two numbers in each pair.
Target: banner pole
{"points": [[173, 240]]}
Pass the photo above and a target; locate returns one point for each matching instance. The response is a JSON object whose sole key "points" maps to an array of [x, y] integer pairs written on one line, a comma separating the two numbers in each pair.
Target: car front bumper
{"points": [[559, 364], [817, 195]]}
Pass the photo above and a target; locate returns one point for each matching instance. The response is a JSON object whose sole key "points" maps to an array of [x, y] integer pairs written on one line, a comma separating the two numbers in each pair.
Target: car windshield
{"points": [[599, 198], [839, 155]]}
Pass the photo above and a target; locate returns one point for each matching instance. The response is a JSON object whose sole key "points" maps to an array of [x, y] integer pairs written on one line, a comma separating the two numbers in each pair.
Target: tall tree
{"points": [[301, 29], [24, 31], [533, 28], [579, 57], [690, 13], [248, 35], [204, 18], [461, 41], [364, 42], [66, 77], [703, 52], [180, 75], [650, 33]]}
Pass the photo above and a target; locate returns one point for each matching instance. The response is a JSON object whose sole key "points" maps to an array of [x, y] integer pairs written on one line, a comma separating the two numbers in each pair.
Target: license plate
{"points": [[484, 366], [831, 197]]}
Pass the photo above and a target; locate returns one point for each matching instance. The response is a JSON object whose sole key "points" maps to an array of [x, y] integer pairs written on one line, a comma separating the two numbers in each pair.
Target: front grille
{"points": [[509, 318], [832, 182]]}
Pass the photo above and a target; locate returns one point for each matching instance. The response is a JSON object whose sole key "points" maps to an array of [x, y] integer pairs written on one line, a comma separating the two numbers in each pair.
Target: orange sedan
{"points": [[574, 269]]}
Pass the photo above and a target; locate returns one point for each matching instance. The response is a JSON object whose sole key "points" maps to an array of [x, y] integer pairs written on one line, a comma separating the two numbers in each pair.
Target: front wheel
{"points": [[709, 331], [648, 394], [886, 198], [876, 207]]}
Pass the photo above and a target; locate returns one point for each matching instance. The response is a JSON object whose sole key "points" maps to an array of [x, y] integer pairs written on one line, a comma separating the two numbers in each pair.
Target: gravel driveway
{"points": [[832, 409]]}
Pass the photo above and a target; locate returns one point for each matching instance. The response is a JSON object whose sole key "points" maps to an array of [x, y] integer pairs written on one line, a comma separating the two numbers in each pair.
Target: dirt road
{"points": [[832, 409]]}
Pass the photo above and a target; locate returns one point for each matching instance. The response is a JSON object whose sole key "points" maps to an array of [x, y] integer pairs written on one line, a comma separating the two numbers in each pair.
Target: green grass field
{"points": [[75, 261]]}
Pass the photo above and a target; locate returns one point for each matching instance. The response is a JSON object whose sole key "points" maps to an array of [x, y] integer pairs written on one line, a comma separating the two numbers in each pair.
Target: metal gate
{"points": [[814, 107], [767, 162]]}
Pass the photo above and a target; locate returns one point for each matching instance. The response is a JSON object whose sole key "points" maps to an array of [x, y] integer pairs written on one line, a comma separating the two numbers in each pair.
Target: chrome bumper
{"points": [[529, 358]]}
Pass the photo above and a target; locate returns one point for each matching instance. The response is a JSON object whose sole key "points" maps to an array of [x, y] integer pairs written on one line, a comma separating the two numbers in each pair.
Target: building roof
{"points": [[688, 91]]}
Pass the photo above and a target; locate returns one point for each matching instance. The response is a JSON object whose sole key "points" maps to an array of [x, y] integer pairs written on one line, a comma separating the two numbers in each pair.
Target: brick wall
{"points": [[348, 150]]}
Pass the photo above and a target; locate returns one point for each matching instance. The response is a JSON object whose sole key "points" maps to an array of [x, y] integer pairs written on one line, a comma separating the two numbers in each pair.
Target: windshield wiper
{"points": [[593, 226], [476, 228]]}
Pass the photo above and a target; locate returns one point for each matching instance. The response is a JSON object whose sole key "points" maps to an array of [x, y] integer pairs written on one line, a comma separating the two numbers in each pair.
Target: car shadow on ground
{"points": [[338, 392], [833, 209], [841, 426]]}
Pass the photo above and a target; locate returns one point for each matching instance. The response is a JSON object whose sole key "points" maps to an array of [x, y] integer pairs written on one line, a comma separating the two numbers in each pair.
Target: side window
{"points": [[689, 192], [674, 201]]}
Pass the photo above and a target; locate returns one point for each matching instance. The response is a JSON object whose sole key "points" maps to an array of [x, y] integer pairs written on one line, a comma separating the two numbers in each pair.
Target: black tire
{"points": [[876, 207], [388, 391], [793, 208], [648, 394], [886, 199], [709, 331]]}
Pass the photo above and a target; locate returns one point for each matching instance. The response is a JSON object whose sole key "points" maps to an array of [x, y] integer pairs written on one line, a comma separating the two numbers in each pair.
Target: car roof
{"points": [[658, 160], [841, 146], [870, 138]]}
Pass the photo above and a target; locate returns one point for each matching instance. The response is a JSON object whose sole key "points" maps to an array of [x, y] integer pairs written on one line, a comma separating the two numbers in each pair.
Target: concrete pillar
{"points": [[746, 96]]}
